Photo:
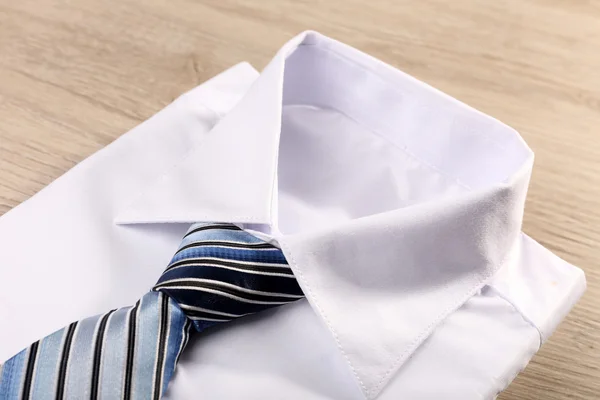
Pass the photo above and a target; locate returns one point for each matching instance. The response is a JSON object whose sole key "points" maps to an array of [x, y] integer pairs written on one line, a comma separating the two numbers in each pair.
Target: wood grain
{"points": [[75, 74]]}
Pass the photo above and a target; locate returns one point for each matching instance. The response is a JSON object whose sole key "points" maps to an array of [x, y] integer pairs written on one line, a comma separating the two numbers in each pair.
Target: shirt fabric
{"points": [[398, 208]]}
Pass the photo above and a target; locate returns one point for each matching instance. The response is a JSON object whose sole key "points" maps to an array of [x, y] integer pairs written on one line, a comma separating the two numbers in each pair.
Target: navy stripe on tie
{"points": [[133, 315], [250, 267], [31, 359], [282, 283], [98, 355], [162, 343], [64, 361]]}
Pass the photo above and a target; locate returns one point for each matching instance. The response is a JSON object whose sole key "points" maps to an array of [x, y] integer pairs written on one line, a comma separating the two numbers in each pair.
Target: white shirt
{"points": [[398, 208]]}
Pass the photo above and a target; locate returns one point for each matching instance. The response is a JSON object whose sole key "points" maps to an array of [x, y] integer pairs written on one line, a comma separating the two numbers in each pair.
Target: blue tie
{"points": [[219, 273]]}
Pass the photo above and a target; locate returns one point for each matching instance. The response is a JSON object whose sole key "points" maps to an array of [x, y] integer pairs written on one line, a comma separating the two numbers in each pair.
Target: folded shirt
{"points": [[398, 208]]}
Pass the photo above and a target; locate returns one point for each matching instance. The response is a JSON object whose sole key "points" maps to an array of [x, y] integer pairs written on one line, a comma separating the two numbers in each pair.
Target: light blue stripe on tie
{"points": [[114, 353], [81, 359], [44, 385], [225, 235], [12, 375], [177, 322], [146, 345]]}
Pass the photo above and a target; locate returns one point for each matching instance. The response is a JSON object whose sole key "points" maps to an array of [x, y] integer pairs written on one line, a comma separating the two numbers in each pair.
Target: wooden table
{"points": [[75, 74]]}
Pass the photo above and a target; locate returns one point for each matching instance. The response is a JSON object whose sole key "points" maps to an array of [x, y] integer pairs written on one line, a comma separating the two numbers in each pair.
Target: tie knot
{"points": [[221, 272]]}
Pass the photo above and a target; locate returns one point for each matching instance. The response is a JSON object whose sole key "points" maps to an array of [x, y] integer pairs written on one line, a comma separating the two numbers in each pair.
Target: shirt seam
{"points": [[519, 311], [323, 315], [395, 145]]}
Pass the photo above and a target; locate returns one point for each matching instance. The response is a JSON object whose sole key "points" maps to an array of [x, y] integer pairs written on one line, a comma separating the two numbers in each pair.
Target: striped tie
{"points": [[219, 273]]}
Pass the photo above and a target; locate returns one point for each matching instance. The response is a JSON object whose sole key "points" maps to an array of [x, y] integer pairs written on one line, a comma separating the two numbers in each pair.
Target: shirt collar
{"points": [[381, 283]]}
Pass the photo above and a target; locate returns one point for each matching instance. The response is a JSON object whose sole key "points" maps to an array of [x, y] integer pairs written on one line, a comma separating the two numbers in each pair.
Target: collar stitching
{"points": [[305, 284]]}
